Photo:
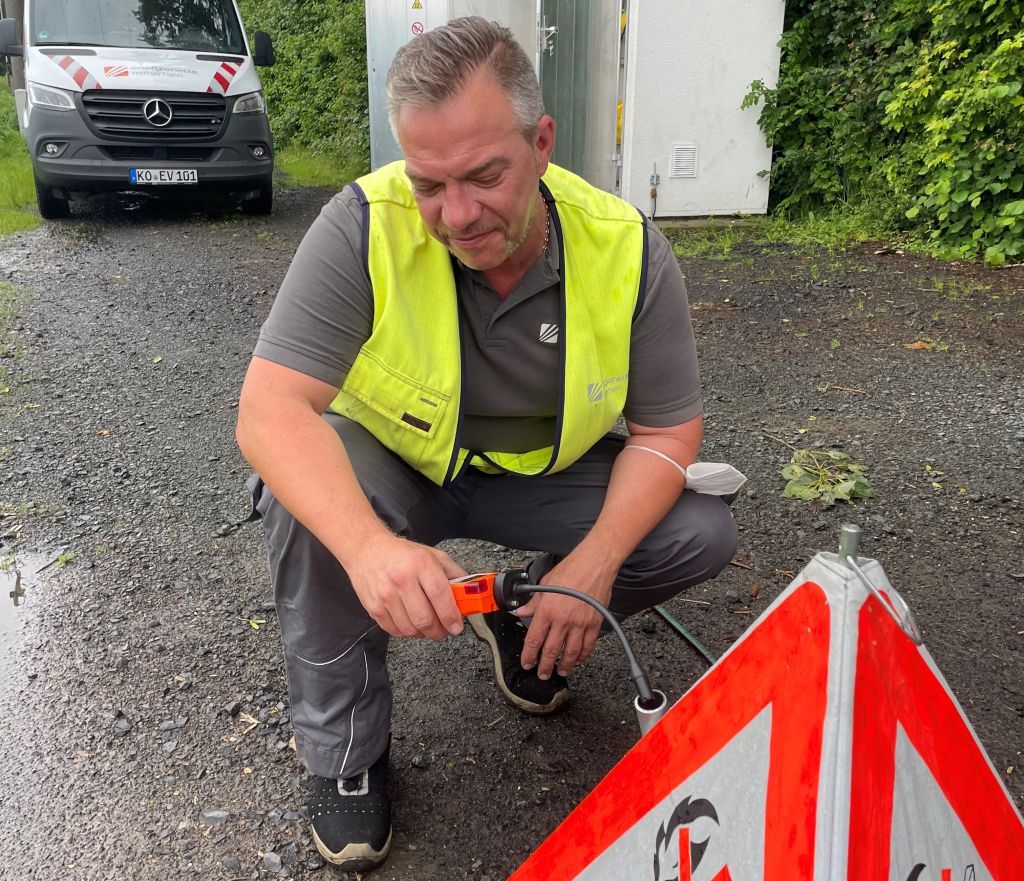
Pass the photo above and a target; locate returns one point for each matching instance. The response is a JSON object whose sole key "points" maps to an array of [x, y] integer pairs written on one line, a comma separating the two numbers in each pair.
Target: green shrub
{"points": [[960, 113], [316, 92], [823, 116], [914, 106]]}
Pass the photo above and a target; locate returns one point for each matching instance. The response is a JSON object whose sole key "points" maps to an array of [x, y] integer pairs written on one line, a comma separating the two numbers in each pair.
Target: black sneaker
{"points": [[351, 817], [504, 634]]}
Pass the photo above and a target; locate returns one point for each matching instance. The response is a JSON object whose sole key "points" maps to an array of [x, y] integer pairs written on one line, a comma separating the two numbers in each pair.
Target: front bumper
{"points": [[88, 163]]}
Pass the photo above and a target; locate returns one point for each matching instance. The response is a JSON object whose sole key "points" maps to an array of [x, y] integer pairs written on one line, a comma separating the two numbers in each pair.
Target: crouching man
{"points": [[454, 341]]}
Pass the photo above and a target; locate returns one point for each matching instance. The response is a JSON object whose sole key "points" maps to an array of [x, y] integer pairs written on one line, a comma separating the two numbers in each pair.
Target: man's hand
{"points": [[404, 587], [564, 630]]}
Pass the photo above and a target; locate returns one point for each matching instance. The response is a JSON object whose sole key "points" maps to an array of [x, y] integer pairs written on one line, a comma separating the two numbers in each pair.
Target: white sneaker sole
{"points": [[486, 635], [355, 857]]}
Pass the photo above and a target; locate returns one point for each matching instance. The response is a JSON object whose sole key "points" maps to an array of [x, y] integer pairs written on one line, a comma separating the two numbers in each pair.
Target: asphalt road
{"points": [[143, 709]]}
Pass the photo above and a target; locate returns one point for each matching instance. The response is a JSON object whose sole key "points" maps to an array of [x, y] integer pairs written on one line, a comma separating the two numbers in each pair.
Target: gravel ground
{"points": [[143, 708]]}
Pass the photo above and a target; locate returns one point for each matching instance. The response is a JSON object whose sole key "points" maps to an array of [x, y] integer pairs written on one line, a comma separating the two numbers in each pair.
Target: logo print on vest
{"points": [[548, 333], [611, 385]]}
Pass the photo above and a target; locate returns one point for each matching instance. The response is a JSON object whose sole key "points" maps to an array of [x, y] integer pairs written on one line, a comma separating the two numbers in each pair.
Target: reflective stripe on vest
{"points": [[405, 386]]}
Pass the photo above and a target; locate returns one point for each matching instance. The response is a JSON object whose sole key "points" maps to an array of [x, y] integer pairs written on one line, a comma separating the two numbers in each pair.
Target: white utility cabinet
{"points": [[675, 71]]}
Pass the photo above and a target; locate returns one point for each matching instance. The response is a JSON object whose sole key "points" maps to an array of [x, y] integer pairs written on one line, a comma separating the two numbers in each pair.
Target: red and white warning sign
{"points": [[824, 746]]}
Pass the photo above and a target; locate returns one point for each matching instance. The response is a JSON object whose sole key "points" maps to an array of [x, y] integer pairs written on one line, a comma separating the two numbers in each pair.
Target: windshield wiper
{"points": [[164, 47]]}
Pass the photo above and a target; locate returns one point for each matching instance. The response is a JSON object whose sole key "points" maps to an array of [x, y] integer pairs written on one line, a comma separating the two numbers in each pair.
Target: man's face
{"points": [[473, 173]]}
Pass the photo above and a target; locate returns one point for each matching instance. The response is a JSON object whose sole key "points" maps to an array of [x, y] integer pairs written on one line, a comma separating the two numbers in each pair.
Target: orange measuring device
{"points": [[474, 594], [490, 591]]}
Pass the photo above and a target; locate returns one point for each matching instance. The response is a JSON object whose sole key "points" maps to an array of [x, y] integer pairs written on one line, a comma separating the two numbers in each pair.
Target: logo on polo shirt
{"points": [[549, 333]]}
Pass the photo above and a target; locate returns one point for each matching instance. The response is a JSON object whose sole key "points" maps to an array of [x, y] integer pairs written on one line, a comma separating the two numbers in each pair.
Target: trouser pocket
{"points": [[255, 486]]}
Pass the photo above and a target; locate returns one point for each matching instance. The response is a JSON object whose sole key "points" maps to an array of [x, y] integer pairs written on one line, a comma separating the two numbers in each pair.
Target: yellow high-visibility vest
{"points": [[406, 382]]}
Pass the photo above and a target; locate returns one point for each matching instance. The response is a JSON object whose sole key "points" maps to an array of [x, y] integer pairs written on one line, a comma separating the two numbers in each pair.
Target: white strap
{"points": [[660, 455], [710, 478]]}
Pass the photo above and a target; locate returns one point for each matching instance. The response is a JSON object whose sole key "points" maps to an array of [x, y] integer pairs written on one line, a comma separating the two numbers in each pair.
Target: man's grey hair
{"points": [[434, 67]]}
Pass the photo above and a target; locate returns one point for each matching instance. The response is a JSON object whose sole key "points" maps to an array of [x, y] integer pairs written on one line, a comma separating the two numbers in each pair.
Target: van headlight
{"points": [[251, 103], [49, 97]]}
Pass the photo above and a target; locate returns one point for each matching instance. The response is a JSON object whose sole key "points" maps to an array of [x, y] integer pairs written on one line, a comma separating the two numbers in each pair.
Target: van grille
{"points": [[190, 154], [119, 114]]}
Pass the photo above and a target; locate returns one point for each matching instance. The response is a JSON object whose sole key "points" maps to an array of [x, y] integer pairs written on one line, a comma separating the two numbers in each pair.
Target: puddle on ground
{"points": [[19, 573]]}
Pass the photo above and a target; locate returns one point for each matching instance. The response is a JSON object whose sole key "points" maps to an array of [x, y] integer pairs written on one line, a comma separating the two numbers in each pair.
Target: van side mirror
{"points": [[263, 50], [9, 37]]}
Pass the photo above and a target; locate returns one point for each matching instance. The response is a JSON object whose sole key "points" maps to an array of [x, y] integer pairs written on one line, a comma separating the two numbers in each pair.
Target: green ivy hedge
{"points": [[316, 92], [914, 106]]}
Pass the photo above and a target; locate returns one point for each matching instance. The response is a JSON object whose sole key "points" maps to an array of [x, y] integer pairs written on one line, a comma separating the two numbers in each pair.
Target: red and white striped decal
{"points": [[79, 74], [222, 78]]}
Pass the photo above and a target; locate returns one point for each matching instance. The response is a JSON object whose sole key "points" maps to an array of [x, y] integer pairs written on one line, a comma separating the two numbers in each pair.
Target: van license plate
{"points": [[163, 175]]}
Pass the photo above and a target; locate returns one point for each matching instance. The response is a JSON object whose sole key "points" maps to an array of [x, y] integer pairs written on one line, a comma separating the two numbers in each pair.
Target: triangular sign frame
{"points": [[841, 686]]}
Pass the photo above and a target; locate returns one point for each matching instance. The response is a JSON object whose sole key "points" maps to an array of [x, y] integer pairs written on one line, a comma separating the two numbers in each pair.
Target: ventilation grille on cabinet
{"points": [[684, 161]]}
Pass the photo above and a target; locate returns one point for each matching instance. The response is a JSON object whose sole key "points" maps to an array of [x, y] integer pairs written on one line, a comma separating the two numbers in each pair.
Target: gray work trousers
{"points": [[336, 656]]}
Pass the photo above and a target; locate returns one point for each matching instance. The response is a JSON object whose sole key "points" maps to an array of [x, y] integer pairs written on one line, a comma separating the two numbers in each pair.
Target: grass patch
{"points": [[712, 242], [958, 289], [17, 195], [830, 232], [10, 301], [306, 169], [17, 191]]}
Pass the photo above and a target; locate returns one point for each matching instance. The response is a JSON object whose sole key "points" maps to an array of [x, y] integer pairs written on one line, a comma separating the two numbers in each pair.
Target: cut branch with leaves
{"points": [[829, 475]]}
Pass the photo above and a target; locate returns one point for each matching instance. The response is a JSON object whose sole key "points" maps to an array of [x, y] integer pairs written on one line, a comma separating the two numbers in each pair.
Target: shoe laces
{"points": [[357, 785]]}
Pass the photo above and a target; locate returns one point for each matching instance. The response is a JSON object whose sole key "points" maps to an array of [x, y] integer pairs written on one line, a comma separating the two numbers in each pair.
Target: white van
{"points": [[142, 94]]}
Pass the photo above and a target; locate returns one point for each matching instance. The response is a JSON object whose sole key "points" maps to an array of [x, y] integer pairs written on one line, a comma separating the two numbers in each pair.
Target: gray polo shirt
{"points": [[323, 314]]}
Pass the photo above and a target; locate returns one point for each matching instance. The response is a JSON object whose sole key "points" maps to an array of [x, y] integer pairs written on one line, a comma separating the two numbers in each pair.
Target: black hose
{"points": [[685, 634], [648, 699]]}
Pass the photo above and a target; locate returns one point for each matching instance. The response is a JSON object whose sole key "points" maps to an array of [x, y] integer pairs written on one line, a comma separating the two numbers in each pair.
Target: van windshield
{"points": [[195, 25]]}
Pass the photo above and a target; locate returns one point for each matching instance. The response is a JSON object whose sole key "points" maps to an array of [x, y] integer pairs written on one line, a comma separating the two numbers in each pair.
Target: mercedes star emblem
{"points": [[157, 112]]}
